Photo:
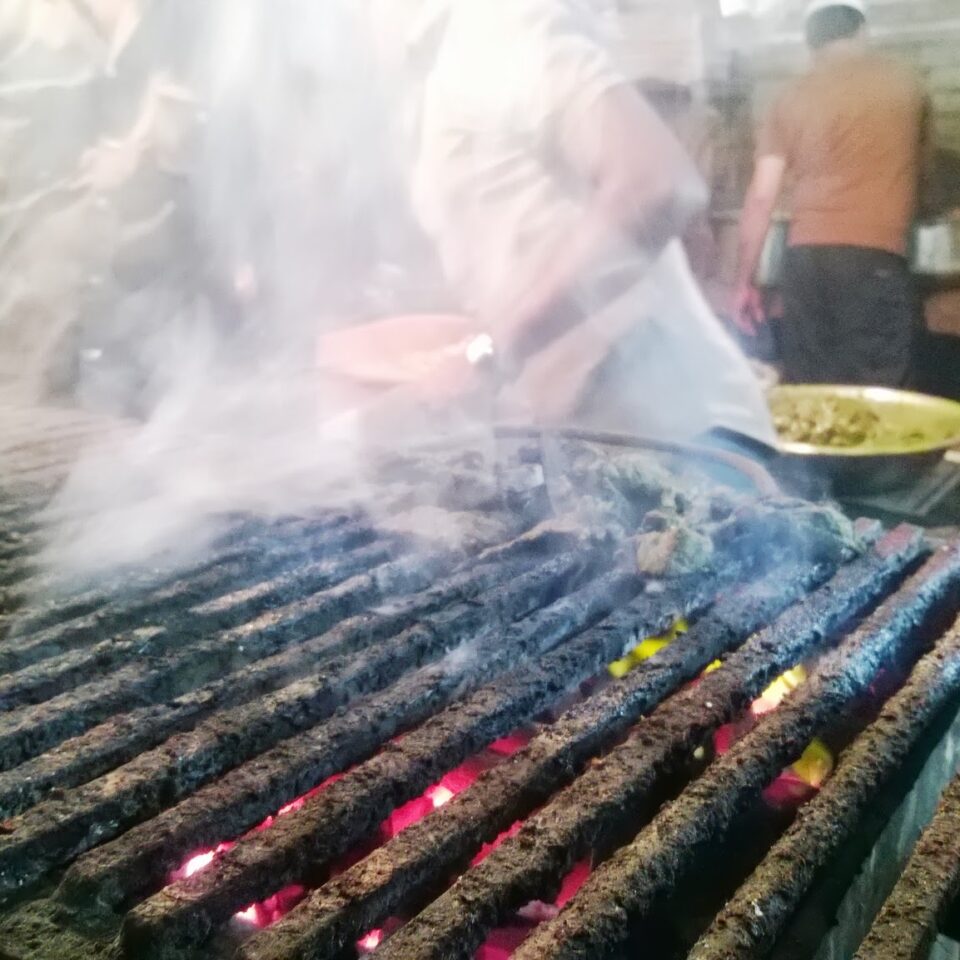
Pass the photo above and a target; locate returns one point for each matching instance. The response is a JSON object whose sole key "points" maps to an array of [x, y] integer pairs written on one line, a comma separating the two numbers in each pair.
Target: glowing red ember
{"points": [[274, 907], [269, 911], [799, 782], [370, 942]]}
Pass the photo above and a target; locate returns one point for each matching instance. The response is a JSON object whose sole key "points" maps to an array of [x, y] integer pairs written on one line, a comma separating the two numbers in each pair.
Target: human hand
{"points": [[109, 165], [554, 382], [747, 309]]}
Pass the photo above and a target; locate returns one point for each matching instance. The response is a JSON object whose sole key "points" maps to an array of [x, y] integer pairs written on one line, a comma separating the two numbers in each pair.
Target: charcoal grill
{"points": [[235, 760]]}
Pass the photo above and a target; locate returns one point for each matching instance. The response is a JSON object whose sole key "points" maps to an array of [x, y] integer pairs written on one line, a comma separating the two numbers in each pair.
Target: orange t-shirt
{"points": [[851, 132]]}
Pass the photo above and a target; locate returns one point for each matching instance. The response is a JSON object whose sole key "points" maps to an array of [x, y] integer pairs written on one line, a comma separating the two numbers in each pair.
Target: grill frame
{"points": [[907, 924], [377, 599]]}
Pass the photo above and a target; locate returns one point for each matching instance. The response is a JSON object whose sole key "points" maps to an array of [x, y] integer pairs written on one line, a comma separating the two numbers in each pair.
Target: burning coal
{"points": [[273, 908], [264, 913], [803, 778]]}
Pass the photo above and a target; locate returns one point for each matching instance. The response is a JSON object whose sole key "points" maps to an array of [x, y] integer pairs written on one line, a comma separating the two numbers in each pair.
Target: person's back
{"points": [[555, 195], [851, 138], [851, 134]]}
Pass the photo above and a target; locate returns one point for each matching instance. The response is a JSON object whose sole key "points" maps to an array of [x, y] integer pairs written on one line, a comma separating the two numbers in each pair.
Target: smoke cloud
{"points": [[191, 194]]}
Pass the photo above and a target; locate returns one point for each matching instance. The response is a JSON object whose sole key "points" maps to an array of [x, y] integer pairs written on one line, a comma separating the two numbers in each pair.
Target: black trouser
{"points": [[851, 315]]}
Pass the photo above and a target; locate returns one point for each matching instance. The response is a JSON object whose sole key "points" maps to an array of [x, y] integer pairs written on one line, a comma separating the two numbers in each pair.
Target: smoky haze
{"points": [[191, 193], [194, 192]]}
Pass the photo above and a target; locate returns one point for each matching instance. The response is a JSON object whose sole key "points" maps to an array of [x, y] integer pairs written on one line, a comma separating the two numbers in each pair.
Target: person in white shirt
{"points": [[555, 197]]}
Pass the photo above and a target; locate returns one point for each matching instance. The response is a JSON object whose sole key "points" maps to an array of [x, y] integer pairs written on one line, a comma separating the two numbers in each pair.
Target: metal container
{"points": [[935, 248], [876, 467], [770, 268]]}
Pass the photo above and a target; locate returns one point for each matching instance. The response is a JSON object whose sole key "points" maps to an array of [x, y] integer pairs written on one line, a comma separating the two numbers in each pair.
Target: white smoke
{"points": [[231, 187], [208, 188]]}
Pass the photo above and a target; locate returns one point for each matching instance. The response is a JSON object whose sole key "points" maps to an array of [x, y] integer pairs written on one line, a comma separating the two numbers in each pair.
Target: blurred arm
{"points": [[758, 209], [645, 184], [761, 200], [644, 187]]}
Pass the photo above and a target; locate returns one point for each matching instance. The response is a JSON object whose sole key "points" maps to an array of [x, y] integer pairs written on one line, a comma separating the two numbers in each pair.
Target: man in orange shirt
{"points": [[849, 136]]}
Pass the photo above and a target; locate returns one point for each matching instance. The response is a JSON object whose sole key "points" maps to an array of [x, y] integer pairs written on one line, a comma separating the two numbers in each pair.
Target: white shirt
{"points": [[490, 192], [484, 189]]}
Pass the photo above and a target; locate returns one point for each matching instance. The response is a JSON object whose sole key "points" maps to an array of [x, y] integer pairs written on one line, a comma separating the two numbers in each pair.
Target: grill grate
{"points": [[172, 717], [906, 926]]}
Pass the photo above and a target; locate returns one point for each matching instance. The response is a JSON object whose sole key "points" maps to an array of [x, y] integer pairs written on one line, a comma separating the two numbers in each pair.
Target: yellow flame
{"points": [[773, 696], [815, 764], [647, 649]]}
